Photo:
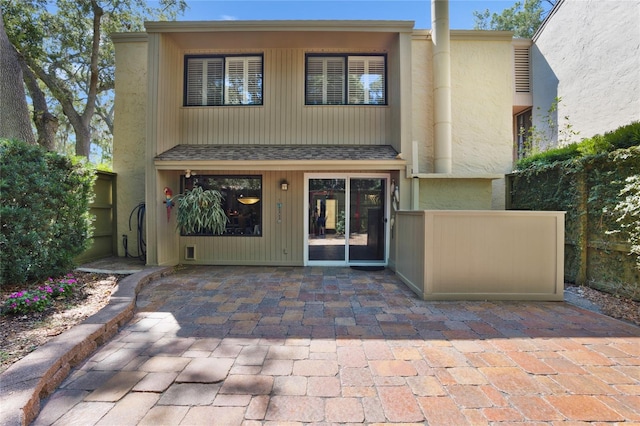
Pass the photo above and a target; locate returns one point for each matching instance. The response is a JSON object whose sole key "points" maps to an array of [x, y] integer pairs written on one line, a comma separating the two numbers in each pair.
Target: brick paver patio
{"points": [[263, 345]]}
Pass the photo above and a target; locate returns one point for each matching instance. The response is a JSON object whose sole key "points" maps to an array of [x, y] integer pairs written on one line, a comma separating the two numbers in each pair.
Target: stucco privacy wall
{"points": [[129, 131], [597, 74]]}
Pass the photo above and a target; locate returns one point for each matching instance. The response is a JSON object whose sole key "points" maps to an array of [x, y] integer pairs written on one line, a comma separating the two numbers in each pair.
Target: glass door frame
{"points": [[387, 211]]}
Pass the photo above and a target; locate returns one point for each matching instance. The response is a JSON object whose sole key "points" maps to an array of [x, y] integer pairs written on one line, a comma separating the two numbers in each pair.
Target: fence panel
{"points": [[104, 239]]}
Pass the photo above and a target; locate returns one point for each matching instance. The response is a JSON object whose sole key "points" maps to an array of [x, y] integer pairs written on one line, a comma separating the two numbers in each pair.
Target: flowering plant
{"points": [[37, 300]]}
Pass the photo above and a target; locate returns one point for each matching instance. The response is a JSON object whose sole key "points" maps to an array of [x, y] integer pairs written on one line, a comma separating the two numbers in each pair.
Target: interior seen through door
{"points": [[346, 219]]}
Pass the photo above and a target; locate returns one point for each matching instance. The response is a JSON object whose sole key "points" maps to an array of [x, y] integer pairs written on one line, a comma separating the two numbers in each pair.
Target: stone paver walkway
{"points": [[259, 345]]}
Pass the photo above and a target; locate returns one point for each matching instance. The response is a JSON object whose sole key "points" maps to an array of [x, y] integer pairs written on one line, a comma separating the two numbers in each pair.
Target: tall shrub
{"points": [[44, 211]]}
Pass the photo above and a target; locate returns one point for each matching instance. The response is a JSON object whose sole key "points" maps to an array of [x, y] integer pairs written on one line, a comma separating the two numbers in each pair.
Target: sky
{"points": [[460, 11]]}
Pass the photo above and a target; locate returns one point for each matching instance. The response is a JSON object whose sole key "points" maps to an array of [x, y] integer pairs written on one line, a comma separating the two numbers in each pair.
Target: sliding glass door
{"points": [[346, 220]]}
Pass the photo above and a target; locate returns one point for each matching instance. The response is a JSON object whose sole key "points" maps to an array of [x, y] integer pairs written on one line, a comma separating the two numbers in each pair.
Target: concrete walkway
{"points": [[263, 345]]}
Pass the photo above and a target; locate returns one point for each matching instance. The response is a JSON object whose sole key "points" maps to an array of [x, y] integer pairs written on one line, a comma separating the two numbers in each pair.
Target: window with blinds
{"points": [[345, 80], [223, 80]]}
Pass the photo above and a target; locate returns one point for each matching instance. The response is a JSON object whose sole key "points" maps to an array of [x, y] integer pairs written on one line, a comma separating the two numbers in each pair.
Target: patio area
{"points": [[273, 345]]}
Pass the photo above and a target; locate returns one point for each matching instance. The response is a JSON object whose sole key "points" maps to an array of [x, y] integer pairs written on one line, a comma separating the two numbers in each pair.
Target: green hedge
{"points": [[601, 196], [621, 138], [44, 212]]}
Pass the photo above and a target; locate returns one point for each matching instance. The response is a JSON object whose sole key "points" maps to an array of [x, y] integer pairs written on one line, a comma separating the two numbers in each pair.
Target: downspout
{"points": [[440, 37]]}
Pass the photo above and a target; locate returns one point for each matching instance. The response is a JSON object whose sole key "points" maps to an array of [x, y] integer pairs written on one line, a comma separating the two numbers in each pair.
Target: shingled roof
{"points": [[279, 153]]}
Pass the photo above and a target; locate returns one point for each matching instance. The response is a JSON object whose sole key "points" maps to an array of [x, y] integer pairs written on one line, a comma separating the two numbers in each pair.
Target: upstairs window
{"points": [[345, 80], [223, 80]]}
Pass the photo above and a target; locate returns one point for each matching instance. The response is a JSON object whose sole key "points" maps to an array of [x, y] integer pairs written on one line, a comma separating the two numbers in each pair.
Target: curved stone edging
{"points": [[38, 374]]}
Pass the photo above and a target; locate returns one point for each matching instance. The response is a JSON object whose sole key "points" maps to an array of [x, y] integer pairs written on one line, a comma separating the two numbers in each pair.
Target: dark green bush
{"points": [[621, 138], [549, 156], [44, 212], [625, 136]]}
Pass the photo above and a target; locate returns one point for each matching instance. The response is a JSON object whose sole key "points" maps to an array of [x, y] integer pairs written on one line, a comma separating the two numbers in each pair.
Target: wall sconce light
{"points": [[188, 173], [284, 185]]}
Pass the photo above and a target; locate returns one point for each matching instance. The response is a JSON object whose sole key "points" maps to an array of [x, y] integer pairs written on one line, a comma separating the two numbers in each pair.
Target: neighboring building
{"points": [[587, 54], [298, 119]]}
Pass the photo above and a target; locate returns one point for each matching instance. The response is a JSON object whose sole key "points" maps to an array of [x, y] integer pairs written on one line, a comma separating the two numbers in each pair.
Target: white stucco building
{"points": [[587, 54]]}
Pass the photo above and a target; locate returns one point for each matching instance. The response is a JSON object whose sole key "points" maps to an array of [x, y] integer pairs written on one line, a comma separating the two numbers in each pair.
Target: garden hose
{"points": [[139, 210]]}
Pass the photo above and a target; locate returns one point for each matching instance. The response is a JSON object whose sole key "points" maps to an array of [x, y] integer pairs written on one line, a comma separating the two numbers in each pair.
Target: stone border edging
{"points": [[38, 374]]}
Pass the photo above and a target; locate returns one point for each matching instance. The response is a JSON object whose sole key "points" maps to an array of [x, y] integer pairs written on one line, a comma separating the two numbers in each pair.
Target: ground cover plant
{"points": [[24, 328]]}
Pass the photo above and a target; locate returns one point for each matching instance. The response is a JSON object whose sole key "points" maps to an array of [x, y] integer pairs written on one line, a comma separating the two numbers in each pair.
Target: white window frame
{"points": [[199, 80], [366, 69]]}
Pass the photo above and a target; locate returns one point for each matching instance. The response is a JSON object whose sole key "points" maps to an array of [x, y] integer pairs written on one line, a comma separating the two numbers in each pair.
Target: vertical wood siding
{"points": [[284, 118], [168, 101]]}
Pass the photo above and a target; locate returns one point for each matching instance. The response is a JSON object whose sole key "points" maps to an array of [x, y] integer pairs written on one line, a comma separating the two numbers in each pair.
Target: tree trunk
{"points": [[46, 123], [14, 113]]}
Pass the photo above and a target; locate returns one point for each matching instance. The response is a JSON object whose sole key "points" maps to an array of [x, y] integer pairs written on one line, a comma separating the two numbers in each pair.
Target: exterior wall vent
{"points": [[522, 67], [190, 253]]}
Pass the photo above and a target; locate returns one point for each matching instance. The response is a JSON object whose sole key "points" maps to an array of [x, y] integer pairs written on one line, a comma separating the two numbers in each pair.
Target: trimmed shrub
{"points": [[549, 156], [44, 212], [625, 136], [621, 138]]}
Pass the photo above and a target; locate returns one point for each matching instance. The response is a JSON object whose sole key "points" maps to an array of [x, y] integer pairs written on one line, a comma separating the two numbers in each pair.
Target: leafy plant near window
{"points": [[536, 139], [200, 211]]}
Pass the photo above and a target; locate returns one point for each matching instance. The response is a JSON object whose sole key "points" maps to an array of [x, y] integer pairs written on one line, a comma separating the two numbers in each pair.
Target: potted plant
{"points": [[200, 211]]}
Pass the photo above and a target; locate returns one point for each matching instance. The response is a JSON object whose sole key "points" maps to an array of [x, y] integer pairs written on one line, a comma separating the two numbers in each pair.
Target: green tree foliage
{"points": [[66, 44], [44, 211], [523, 18]]}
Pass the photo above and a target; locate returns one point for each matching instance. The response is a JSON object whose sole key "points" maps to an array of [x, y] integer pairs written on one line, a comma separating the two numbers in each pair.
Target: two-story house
{"points": [[315, 133]]}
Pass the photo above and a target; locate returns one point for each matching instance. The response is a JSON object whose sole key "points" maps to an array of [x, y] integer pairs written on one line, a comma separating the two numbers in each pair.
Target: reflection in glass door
{"points": [[346, 220], [327, 206], [366, 219]]}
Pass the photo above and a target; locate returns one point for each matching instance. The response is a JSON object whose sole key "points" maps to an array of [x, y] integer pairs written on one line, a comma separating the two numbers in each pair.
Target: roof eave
{"points": [[280, 165], [280, 25]]}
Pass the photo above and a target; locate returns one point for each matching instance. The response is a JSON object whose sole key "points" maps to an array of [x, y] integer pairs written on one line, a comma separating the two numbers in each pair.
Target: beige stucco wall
{"points": [[422, 88], [455, 194], [482, 97], [482, 100], [129, 132]]}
